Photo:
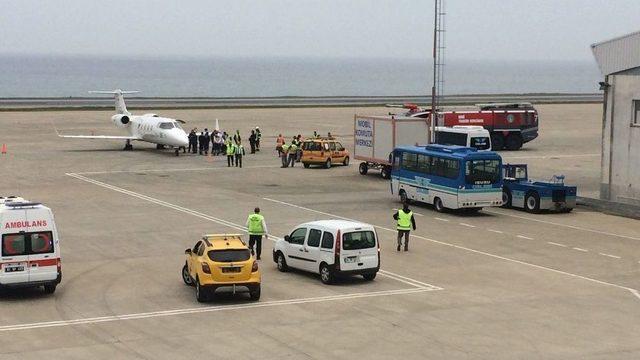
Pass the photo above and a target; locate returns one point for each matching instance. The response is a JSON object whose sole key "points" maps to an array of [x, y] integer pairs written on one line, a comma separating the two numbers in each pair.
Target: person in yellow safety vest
{"points": [[406, 221], [231, 150], [283, 156], [257, 228], [293, 150]]}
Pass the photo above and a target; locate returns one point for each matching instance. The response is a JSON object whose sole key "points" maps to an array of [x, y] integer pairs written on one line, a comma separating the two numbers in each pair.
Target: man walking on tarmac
{"points": [[257, 228], [406, 221]]}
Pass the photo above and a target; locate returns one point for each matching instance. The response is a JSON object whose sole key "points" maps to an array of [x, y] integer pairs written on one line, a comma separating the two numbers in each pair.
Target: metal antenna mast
{"points": [[437, 89]]}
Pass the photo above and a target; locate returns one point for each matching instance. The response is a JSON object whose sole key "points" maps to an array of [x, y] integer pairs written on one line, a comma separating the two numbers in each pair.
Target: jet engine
{"points": [[120, 120]]}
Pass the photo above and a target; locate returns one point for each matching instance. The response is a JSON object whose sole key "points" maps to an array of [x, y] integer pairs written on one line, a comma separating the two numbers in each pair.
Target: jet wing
{"points": [[99, 137]]}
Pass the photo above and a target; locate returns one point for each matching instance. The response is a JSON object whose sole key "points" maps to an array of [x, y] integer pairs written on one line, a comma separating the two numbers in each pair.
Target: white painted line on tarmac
{"points": [[524, 237], [199, 310], [558, 224], [580, 249], [496, 231], [635, 292], [441, 219], [170, 170], [556, 244], [550, 156], [467, 225], [609, 255]]}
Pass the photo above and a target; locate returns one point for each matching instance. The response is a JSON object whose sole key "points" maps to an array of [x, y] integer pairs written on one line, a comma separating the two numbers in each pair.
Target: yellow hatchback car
{"points": [[221, 261], [324, 151]]}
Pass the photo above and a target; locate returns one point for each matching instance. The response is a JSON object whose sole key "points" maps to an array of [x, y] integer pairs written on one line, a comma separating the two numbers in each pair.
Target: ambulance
{"points": [[30, 247]]}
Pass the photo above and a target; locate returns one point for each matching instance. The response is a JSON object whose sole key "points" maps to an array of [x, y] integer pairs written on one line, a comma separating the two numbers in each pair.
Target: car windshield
{"points": [[358, 240], [166, 125], [234, 255], [480, 172]]}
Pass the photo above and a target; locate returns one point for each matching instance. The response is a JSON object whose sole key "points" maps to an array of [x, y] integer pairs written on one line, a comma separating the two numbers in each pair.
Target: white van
{"points": [[30, 247], [464, 135], [330, 248]]}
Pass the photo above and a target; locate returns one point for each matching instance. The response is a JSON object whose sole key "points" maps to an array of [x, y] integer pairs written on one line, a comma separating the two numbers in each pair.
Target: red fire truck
{"points": [[510, 124]]}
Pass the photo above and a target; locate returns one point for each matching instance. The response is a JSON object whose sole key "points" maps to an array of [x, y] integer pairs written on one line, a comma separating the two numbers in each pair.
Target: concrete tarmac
{"points": [[499, 284]]}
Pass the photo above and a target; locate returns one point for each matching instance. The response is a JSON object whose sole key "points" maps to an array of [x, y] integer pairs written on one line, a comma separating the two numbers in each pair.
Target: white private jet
{"points": [[148, 127]]}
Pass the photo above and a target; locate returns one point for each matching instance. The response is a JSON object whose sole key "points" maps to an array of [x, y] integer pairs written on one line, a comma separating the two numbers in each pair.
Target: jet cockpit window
{"points": [[166, 125], [177, 125]]}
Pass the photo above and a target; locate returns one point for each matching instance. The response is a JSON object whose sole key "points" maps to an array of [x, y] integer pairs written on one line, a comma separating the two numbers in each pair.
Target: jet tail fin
{"points": [[121, 108]]}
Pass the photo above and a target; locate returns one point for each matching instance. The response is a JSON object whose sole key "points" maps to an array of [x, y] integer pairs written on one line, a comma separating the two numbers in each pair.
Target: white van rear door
{"points": [[359, 250], [43, 262], [14, 262]]}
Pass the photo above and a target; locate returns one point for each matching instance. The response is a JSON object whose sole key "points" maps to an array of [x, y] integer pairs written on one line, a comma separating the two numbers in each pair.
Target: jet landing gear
{"points": [[128, 146], [177, 151]]}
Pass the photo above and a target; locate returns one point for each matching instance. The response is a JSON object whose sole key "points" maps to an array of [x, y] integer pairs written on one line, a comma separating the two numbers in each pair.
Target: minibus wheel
{"points": [[281, 262], [327, 164], [50, 288], [369, 277], [403, 197], [326, 275], [438, 205]]}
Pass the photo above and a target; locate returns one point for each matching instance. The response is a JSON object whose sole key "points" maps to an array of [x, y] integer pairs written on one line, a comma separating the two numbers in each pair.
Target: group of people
{"points": [[291, 153], [221, 143]]}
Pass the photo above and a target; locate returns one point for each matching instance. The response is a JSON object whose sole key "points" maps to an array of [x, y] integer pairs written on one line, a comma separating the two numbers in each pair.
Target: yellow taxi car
{"points": [[323, 151], [221, 261]]}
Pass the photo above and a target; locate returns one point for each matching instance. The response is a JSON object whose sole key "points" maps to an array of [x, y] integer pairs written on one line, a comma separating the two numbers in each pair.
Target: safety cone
{"points": [[4, 148]]}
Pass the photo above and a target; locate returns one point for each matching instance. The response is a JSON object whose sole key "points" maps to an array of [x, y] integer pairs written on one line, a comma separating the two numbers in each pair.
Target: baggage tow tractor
{"points": [[519, 191]]}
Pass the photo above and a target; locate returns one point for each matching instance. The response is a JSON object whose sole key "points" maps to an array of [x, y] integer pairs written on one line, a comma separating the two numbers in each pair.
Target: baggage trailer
{"points": [[375, 137]]}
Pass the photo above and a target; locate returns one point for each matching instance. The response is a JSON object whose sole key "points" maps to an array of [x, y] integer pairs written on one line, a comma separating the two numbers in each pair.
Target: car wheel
{"points": [[532, 202], [345, 162], [50, 288], [513, 142], [438, 205], [327, 164], [186, 277], [567, 210], [326, 275], [369, 277], [497, 142], [281, 262], [363, 168], [506, 198], [403, 197], [201, 293], [254, 293], [306, 165]]}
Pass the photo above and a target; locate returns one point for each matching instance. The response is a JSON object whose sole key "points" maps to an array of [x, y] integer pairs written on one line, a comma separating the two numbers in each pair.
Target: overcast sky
{"points": [[478, 29]]}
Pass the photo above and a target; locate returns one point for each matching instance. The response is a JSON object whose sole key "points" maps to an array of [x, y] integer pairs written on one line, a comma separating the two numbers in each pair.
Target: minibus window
{"points": [[327, 240], [297, 236], [234, 255], [314, 238], [13, 244], [358, 240], [41, 243]]}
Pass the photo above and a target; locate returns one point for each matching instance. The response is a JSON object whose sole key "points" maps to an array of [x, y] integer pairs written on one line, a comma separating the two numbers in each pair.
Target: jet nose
{"points": [[180, 138]]}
